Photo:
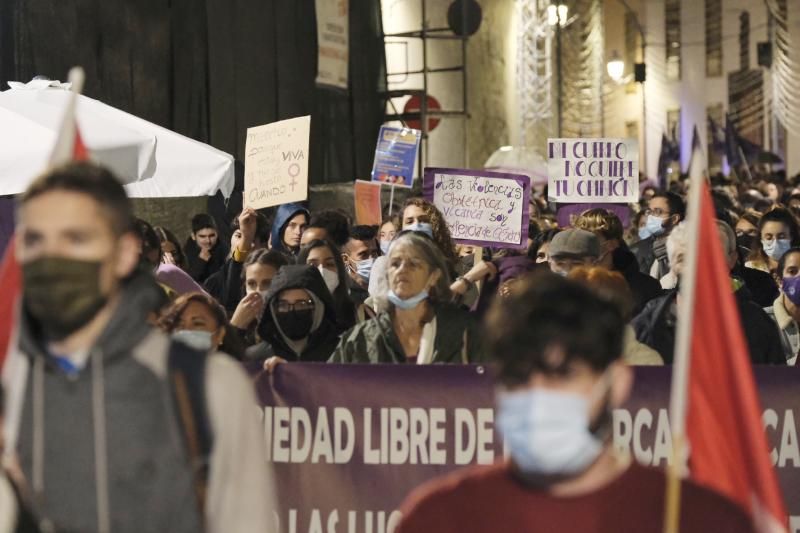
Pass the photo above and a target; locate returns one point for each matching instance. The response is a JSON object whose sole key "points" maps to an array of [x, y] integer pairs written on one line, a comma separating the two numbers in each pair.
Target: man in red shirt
{"points": [[557, 350]]}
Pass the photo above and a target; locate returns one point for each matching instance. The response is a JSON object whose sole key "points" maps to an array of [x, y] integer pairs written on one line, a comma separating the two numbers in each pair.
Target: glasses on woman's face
{"points": [[301, 305]]}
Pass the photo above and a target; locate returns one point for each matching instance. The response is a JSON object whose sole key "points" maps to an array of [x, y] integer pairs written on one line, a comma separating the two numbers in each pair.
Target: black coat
{"points": [[226, 285], [643, 287], [760, 284], [199, 269], [655, 327], [650, 250]]}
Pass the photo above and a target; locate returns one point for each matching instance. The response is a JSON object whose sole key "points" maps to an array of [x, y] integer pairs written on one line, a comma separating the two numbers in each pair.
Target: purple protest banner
{"points": [[568, 212], [481, 207], [348, 442]]}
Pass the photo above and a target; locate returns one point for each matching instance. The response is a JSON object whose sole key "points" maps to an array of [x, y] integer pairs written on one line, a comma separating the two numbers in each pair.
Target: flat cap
{"points": [[574, 243]]}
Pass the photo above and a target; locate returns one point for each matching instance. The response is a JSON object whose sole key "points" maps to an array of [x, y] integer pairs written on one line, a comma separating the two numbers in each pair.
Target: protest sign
{"points": [[276, 163], [481, 207], [368, 203], [333, 40], [396, 155], [567, 213], [349, 442], [593, 170]]}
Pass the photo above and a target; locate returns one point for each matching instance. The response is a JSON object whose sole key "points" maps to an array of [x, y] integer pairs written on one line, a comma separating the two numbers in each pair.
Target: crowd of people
{"points": [[303, 286], [106, 292]]}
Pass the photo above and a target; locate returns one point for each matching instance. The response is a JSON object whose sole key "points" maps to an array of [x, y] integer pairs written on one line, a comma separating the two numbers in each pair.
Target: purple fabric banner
{"points": [[348, 442], [568, 212], [481, 207]]}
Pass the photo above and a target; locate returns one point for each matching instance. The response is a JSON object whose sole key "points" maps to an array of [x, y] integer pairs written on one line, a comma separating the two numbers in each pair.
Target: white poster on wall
{"points": [[333, 42]]}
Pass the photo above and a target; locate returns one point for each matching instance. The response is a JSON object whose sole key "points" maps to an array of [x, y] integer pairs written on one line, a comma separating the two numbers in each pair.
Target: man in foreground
{"points": [[557, 349], [117, 427]]}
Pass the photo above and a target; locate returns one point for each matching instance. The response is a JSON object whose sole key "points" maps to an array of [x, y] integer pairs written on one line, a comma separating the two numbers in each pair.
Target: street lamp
{"points": [[615, 67], [557, 14]]}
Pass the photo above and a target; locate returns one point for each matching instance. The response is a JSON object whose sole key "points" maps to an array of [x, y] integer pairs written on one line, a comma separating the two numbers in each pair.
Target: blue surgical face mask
{"points": [[364, 268], [197, 339], [385, 247], [547, 431], [408, 303], [423, 227], [776, 247], [653, 227]]}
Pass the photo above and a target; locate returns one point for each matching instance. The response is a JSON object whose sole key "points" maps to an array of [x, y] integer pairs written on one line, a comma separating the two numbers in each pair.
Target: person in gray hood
{"points": [[94, 414], [299, 321]]}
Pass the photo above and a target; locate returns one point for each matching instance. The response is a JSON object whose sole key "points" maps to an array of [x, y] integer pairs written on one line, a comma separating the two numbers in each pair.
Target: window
{"points": [[715, 136], [713, 38], [674, 125], [631, 41], [672, 11]]}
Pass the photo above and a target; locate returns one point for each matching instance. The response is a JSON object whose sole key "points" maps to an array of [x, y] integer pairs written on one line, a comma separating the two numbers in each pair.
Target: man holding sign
{"points": [[557, 347]]}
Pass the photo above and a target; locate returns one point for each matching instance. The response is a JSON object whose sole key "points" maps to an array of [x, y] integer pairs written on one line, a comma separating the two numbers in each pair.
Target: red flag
{"points": [[10, 283], [728, 448], [69, 146]]}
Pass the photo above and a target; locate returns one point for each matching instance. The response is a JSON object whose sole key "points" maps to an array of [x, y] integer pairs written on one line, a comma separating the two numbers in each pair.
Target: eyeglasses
{"points": [[302, 305], [657, 212]]}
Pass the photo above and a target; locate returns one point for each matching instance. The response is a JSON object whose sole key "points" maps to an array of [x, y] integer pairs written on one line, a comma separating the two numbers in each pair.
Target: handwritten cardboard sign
{"points": [[396, 155], [367, 202], [276, 163], [593, 170], [482, 208], [333, 30]]}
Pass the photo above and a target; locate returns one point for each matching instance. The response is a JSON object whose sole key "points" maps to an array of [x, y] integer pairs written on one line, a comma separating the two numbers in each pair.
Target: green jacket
{"points": [[375, 341]]}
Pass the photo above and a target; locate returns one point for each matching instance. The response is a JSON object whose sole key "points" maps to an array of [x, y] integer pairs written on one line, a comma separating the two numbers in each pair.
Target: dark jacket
{"points": [[149, 479], [655, 327], [650, 250], [284, 214], [760, 284], [643, 287], [199, 269], [323, 340], [225, 285], [375, 341]]}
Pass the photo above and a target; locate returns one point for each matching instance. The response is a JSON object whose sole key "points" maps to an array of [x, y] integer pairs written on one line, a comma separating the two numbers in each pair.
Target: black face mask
{"points": [[295, 324], [63, 295], [745, 241]]}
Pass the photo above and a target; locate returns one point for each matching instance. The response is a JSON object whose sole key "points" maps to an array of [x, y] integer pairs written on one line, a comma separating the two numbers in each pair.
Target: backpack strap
{"points": [[187, 370]]}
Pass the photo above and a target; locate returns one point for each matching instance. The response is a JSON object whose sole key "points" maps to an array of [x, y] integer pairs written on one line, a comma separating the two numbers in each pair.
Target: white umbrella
{"points": [[153, 162]]}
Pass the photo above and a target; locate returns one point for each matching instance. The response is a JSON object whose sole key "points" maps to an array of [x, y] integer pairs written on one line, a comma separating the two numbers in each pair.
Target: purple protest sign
{"points": [[349, 442], [568, 212], [481, 207], [593, 170]]}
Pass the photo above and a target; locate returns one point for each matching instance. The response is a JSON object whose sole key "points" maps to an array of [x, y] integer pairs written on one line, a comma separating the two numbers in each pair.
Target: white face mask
{"points": [[331, 278], [547, 431], [262, 293], [197, 339]]}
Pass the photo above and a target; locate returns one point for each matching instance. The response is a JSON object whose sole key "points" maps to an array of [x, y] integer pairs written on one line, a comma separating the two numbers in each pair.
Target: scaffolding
{"points": [[425, 34]]}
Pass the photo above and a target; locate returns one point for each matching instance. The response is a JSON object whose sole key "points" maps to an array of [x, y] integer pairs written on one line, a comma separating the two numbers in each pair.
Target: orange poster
{"points": [[368, 202]]}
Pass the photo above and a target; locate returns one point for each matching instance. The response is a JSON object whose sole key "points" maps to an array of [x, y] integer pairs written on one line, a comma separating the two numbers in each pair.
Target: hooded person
{"points": [[299, 321], [287, 229]]}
